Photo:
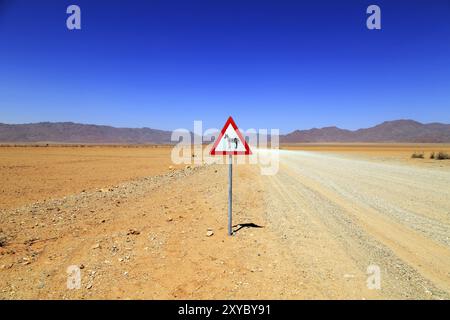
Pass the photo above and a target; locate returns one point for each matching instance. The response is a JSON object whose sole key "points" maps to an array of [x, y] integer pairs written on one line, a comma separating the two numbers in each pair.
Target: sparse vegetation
{"points": [[3, 239], [418, 155], [441, 155]]}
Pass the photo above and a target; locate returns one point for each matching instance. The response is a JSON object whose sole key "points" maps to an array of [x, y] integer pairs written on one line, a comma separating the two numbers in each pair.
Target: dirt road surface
{"points": [[309, 232], [343, 214]]}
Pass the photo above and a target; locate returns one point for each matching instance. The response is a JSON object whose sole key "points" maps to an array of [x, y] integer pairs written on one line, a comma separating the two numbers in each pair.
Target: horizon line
{"points": [[168, 130]]}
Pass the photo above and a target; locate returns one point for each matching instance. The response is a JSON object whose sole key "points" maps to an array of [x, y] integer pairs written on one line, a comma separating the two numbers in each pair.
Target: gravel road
{"points": [[339, 215]]}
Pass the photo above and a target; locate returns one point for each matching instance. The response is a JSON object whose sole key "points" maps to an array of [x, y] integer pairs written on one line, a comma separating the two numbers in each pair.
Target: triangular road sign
{"points": [[230, 141]]}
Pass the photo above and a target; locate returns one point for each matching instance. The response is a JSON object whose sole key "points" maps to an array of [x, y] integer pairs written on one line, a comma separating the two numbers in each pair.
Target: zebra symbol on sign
{"points": [[230, 141]]}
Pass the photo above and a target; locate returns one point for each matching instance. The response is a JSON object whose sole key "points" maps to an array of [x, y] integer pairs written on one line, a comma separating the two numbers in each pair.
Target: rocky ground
{"points": [[157, 237], [310, 232]]}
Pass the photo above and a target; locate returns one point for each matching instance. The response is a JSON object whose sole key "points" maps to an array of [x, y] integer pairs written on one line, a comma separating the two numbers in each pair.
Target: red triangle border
{"points": [[247, 151]]}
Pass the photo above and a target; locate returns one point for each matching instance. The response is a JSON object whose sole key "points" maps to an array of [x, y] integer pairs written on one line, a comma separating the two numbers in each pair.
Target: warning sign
{"points": [[230, 141]]}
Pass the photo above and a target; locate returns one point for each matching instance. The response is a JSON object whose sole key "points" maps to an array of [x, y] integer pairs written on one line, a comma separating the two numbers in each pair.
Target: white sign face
{"points": [[230, 141]]}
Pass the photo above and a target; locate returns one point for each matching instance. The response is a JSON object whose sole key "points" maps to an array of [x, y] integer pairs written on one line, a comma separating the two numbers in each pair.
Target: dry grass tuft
{"points": [[418, 155], [441, 155]]}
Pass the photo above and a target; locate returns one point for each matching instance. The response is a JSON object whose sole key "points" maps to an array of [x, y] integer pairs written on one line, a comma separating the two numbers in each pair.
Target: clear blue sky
{"points": [[271, 64]]}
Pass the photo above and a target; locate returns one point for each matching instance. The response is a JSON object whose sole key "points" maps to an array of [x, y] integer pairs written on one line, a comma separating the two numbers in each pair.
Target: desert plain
{"points": [[139, 227]]}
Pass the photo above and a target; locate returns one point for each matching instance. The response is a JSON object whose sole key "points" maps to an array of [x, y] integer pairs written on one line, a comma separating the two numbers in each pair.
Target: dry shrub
{"points": [[441, 155], [3, 239]]}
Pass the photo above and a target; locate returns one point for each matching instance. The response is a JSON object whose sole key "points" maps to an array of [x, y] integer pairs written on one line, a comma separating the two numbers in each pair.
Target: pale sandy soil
{"points": [[381, 152], [325, 217], [342, 210]]}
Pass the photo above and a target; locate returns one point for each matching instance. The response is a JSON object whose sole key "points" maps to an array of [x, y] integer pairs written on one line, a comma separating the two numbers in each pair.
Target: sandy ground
{"points": [[400, 153], [323, 220], [30, 174]]}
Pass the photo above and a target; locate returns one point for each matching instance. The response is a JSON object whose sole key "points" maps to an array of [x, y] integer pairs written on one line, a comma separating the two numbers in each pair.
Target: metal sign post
{"points": [[230, 195], [230, 142]]}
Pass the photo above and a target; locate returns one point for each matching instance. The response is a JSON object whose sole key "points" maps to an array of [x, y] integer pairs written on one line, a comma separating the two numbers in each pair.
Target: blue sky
{"points": [[271, 64]]}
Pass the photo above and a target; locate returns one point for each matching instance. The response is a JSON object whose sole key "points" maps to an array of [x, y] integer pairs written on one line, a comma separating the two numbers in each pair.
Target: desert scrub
{"points": [[3, 239], [417, 155], [441, 155], [432, 155]]}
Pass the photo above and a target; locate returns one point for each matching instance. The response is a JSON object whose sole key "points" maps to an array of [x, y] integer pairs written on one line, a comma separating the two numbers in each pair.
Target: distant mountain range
{"points": [[388, 131], [69, 132]]}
